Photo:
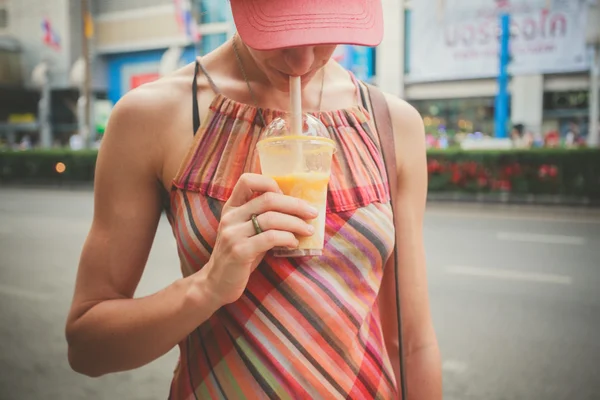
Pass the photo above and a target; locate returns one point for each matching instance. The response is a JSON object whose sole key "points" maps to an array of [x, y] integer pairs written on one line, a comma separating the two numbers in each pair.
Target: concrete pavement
{"points": [[514, 295], [516, 302]]}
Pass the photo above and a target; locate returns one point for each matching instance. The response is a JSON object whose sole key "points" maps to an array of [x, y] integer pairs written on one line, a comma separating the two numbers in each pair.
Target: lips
{"points": [[304, 77]]}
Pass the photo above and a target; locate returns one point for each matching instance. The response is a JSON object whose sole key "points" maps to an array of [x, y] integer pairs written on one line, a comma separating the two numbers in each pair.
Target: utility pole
{"points": [[40, 77], [501, 112], [594, 129], [402, 48], [86, 88], [390, 67]]}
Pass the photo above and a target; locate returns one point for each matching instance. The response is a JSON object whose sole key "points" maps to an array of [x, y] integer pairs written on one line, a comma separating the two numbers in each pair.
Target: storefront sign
{"points": [[140, 79], [573, 100], [358, 59], [458, 39]]}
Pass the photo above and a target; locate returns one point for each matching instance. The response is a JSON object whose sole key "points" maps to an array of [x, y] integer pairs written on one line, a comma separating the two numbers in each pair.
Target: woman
{"points": [[250, 325]]}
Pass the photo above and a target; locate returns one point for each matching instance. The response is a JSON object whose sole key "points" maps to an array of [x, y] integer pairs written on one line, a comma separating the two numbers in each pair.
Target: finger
{"points": [[279, 203], [248, 185], [281, 222], [267, 240]]}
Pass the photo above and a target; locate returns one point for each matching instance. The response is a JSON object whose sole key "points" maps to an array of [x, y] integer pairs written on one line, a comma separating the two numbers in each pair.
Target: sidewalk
{"points": [[515, 211], [551, 204]]}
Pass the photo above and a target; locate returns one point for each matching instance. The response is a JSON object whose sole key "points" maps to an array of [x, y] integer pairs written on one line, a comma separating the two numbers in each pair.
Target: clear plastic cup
{"points": [[301, 165]]}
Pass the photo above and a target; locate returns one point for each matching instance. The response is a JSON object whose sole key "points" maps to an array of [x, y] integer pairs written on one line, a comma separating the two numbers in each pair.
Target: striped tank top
{"points": [[305, 328]]}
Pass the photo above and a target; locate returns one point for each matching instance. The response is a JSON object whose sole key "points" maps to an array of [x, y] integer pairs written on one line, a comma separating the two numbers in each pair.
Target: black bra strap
{"points": [[195, 107], [210, 81], [363, 97]]}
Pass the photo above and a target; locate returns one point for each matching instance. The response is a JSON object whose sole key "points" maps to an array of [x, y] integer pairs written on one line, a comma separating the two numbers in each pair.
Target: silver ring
{"points": [[257, 227]]}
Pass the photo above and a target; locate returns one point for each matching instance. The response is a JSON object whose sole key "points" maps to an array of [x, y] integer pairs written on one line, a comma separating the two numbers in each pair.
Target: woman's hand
{"points": [[239, 249]]}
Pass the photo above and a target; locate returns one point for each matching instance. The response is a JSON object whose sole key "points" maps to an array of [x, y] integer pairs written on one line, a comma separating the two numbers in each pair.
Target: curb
{"points": [[439, 197], [508, 198]]}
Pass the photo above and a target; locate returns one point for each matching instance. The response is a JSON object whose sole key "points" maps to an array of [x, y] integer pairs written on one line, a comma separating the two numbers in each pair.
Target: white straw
{"points": [[295, 105]]}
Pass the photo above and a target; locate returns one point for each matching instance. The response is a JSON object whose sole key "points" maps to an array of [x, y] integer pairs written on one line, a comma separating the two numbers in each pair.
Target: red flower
{"points": [[505, 185], [511, 170], [482, 181], [548, 171], [470, 168], [456, 177], [502, 184], [434, 167], [517, 169]]}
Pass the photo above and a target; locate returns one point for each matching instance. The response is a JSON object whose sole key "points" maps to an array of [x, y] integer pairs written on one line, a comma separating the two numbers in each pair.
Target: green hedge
{"points": [[40, 166], [573, 173]]}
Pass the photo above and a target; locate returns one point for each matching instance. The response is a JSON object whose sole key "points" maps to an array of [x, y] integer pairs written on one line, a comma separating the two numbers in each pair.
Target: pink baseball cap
{"points": [[276, 24]]}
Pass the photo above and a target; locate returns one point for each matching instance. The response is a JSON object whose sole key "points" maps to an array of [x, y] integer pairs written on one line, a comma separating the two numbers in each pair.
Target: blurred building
{"points": [[133, 37], [38, 43], [441, 55], [450, 62], [42, 41]]}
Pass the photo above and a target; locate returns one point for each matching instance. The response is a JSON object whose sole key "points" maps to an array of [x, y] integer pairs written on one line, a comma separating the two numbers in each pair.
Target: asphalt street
{"points": [[514, 292]]}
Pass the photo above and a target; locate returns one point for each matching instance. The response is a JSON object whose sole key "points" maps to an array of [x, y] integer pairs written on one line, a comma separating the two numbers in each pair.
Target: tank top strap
{"points": [[195, 106], [361, 98]]}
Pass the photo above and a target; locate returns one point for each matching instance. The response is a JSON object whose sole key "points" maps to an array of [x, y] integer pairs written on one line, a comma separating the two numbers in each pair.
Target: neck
{"points": [[253, 72], [268, 95]]}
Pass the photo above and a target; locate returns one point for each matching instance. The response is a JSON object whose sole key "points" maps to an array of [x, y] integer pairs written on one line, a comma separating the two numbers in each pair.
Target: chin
{"points": [[282, 81]]}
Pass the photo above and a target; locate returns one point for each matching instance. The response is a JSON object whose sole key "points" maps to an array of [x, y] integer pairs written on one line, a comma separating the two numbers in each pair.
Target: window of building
{"points": [[407, 22], [115, 6], [455, 116], [215, 23], [211, 41], [566, 112], [566, 102], [373, 62], [3, 14], [213, 11]]}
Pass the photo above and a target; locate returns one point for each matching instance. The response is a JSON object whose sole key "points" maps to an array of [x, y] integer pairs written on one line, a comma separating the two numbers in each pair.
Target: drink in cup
{"points": [[300, 163]]}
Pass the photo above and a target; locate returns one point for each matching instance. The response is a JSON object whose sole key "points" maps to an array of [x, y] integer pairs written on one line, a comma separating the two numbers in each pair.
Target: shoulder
{"points": [[143, 120], [403, 114], [407, 123], [409, 132], [406, 120], [411, 151], [146, 115], [153, 106]]}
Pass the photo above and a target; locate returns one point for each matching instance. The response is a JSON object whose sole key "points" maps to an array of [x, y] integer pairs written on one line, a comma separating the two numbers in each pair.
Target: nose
{"points": [[299, 60]]}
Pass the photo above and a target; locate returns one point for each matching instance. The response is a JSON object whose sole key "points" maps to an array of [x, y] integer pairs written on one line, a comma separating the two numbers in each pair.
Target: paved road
{"points": [[514, 293]]}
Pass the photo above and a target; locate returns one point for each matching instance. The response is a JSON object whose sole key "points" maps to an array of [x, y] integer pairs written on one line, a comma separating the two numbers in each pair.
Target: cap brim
{"points": [[271, 25]]}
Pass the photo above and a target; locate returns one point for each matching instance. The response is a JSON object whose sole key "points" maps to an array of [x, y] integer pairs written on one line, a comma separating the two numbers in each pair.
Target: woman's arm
{"points": [[108, 331], [421, 352]]}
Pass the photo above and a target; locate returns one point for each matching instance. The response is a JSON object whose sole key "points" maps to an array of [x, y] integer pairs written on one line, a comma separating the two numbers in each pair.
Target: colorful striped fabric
{"points": [[305, 328]]}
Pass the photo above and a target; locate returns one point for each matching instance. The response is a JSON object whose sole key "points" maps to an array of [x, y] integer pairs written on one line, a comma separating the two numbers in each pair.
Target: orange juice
{"points": [[300, 162], [312, 188], [308, 186]]}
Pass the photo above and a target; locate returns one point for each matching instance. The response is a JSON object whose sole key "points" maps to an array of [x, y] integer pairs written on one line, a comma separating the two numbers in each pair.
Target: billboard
{"points": [[358, 59], [458, 39], [136, 80]]}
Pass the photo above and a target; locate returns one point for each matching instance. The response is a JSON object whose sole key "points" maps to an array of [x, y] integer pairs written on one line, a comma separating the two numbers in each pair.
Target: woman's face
{"points": [[279, 65]]}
